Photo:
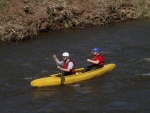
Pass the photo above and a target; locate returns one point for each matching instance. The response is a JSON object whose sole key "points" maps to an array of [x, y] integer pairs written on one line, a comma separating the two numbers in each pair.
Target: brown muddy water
{"points": [[125, 89]]}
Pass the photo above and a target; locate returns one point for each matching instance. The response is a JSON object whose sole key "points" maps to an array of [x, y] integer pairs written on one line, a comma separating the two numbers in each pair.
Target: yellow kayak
{"points": [[79, 76]]}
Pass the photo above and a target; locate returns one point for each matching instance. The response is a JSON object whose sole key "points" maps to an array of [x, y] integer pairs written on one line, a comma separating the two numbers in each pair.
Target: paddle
{"points": [[61, 74]]}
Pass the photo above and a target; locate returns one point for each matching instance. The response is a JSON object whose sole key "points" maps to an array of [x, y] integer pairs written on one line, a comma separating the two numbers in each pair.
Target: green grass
{"points": [[145, 13], [3, 3], [146, 9]]}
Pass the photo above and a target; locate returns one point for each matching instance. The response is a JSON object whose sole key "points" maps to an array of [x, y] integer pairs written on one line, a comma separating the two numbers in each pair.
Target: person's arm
{"points": [[70, 66], [92, 61], [66, 70], [56, 59]]}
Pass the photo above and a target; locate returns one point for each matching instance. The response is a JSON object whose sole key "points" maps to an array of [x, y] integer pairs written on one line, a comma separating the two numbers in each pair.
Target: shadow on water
{"points": [[126, 89]]}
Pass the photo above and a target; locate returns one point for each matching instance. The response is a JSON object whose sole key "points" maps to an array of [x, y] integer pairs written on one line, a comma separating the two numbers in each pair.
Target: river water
{"points": [[126, 89]]}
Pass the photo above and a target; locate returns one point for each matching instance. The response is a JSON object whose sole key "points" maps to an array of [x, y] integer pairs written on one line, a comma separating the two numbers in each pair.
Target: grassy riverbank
{"points": [[25, 19]]}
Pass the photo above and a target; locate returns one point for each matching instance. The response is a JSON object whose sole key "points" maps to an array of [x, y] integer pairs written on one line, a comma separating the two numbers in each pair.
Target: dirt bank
{"points": [[25, 19]]}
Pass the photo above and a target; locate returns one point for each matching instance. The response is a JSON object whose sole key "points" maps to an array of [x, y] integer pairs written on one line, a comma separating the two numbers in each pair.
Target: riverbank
{"points": [[25, 19]]}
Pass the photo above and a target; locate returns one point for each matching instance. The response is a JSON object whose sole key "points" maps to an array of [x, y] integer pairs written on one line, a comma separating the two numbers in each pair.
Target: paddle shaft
{"points": [[61, 74]]}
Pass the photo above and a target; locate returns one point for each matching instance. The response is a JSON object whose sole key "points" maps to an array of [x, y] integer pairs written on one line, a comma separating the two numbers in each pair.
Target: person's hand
{"points": [[88, 60], [58, 67], [54, 56]]}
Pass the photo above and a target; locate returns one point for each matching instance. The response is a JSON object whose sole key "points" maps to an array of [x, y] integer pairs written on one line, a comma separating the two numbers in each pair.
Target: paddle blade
{"points": [[62, 79]]}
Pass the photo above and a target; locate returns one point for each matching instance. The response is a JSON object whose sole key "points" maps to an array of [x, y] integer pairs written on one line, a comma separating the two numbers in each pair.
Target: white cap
{"points": [[65, 54]]}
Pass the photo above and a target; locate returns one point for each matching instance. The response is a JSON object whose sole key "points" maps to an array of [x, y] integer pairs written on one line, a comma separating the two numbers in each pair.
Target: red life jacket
{"points": [[65, 66], [100, 58]]}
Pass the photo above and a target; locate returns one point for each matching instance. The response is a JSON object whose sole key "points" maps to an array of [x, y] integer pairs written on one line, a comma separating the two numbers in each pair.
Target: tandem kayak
{"points": [[79, 76]]}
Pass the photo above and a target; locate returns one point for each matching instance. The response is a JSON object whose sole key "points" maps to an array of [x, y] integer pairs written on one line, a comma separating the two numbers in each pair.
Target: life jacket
{"points": [[101, 62], [65, 66]]}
